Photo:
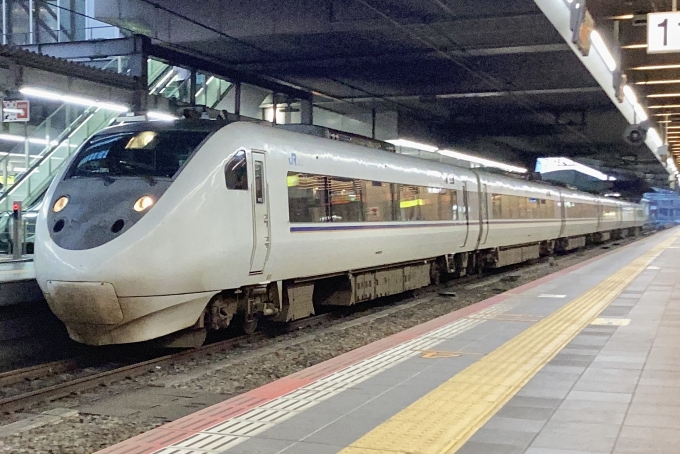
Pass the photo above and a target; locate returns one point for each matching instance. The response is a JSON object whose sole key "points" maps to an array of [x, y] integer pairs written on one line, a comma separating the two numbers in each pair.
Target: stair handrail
{"points": [[61, 138]]}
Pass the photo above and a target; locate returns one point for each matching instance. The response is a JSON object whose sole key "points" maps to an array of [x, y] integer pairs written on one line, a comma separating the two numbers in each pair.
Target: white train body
{"points": [[238, 250]]}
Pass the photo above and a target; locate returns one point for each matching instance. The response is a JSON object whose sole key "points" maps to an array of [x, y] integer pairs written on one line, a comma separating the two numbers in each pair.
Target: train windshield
{"points": [[136, 153]]}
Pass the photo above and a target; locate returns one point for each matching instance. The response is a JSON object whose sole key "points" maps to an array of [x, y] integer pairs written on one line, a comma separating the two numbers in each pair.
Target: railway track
{"points": [[36, 372], [50, 393], [54, 392]]}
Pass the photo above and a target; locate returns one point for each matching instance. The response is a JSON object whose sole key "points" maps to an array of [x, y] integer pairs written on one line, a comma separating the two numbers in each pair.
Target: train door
{"points": [[466, 211], [485, 213], [482, 206], [260, 200], [563, 216]]}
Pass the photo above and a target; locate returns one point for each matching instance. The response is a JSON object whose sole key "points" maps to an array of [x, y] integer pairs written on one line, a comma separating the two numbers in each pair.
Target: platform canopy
{"points": [[489, 73]]}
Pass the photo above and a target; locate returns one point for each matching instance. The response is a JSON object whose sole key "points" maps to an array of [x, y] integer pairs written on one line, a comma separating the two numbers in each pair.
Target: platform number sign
{"points": [[13, 111], [663, 33]]}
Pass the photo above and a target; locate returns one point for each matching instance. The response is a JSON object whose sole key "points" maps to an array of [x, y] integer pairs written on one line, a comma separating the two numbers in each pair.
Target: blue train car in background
{"points": [[664, 207]]}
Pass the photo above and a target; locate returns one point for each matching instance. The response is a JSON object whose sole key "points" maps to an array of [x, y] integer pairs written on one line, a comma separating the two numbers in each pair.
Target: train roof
{"points": [[210, 125], [187, 125]]}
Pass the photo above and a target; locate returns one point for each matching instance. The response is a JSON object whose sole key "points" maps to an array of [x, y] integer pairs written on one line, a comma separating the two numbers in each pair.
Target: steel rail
{"points": [[54, 392]]}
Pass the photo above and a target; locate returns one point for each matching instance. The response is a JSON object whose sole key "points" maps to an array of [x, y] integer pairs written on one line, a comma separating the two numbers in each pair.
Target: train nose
{"points": [[90, 212], [84, 302]]}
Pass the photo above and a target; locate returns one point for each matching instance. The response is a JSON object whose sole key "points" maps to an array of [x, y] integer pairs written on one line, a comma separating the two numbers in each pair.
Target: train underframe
{"points": [[299, 298]]}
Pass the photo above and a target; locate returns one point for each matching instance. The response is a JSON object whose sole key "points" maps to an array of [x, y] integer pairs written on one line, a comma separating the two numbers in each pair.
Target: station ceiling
{"points": [[486, 70]]}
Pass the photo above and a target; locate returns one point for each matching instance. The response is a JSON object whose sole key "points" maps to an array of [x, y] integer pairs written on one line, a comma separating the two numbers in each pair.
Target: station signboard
{"points": [[16, 111], [663, 32]]}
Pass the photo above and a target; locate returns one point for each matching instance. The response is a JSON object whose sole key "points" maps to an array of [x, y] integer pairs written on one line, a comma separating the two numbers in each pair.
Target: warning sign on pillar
{"points": [[13, 111]]}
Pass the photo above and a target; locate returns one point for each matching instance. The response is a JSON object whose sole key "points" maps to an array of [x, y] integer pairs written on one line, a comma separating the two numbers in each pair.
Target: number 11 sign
{"points": [[663, 32]]}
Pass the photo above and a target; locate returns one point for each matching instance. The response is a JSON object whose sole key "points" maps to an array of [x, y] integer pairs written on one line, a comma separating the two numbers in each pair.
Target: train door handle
{"points": [[266, 220], [266, 242]]}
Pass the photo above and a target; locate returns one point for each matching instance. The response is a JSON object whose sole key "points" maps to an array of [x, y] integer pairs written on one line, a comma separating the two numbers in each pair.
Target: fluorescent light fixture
{"points": [[664, 95], [664, 106], [602, 49], [623, 17], [482, 161], [630, 94], [110, 106], [163, 80], [659, 82], [640, 112], [414, 145], [18, 138], [78, 100], [546, 165], [155, 115], [207, 82], [654, 135], [634, 46], [70, 99], [655, 67], [19, 169], [12, 138], [672, 127], [40, 93]]}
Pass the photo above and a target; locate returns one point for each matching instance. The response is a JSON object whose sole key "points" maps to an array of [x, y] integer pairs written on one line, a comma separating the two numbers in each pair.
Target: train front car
{"points": [[118, 252]]}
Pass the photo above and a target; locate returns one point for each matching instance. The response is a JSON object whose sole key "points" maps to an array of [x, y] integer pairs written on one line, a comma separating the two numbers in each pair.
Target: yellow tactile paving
{"points": [[443, 420]]}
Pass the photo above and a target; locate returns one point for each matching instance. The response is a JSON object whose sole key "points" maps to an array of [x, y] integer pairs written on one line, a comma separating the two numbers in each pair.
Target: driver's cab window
{"points": [[236, 172]]}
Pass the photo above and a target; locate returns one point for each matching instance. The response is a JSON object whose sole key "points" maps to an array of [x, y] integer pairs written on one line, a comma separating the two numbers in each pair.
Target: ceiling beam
{"points": [[487, 94]]}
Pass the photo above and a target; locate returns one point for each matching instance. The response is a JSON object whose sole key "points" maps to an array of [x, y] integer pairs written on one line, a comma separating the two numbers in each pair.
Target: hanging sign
{"points": [[13, 111], [663, 33]]}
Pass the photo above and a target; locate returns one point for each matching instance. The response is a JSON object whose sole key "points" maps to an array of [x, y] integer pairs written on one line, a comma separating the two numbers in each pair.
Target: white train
{"points": [[160, 228]]}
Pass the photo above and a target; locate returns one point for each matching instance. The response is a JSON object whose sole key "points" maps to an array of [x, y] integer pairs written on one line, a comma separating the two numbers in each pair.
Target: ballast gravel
{"points": [[252, 365]]}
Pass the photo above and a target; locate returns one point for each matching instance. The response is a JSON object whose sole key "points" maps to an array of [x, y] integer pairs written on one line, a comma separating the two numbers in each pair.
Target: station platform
{"points": [[586, 360], [17, 282], [16, 270]]}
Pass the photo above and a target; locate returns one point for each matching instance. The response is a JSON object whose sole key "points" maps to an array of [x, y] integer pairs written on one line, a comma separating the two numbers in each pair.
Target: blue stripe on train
{"points": [[404, 225]]}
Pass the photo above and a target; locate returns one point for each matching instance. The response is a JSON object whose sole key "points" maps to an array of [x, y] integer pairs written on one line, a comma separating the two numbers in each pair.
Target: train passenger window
{"points": [[236, 171], [497, 206], [540, 208], [547, 209], [580, 210], [437, 204], [307, 198], [533, 208], [346, 200], [259, 182], [409, 203], [316, 198], [379, 199]]}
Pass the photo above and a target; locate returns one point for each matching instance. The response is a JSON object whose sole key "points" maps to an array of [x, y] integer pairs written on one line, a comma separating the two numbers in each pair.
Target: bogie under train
{"points": [[157, 228]]}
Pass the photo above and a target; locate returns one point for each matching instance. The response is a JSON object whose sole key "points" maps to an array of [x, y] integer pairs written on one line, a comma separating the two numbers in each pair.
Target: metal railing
{"points": [[10, 245], [47, 148]]}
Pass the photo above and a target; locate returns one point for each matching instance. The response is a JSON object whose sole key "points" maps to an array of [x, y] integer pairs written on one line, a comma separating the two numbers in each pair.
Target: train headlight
{"points": [[60, 204], [143, 203]]}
